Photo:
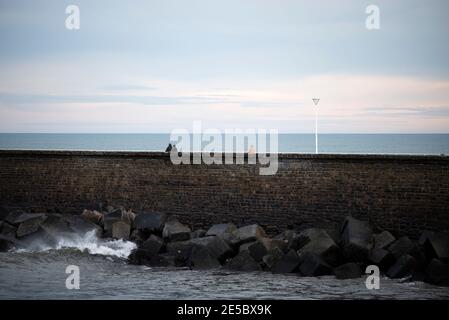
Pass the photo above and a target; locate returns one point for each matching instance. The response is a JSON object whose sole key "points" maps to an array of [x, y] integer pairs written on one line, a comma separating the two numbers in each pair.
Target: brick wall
{"points": [[404, 194]]}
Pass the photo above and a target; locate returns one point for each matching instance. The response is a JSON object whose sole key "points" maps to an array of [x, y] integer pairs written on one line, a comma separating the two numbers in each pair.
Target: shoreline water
{"points": [[39, 276], [431, 144]]}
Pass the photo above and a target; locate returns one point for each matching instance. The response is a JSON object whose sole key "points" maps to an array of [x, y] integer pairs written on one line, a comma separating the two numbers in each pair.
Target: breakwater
{"points": [[399, 193]]}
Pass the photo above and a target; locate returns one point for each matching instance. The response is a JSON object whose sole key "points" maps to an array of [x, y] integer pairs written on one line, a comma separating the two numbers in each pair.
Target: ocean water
{"points": [[105, 274], [434, 144]]}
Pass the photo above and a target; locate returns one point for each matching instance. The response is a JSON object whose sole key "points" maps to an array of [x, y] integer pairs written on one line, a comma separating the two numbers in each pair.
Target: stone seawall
{"points": [[403, 194]]}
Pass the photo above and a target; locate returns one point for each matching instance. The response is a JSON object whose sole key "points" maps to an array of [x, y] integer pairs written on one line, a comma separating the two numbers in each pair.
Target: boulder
{"points": [[420, 257], [110, 209], [12, 216], [18, 217], [109, 220], [121, 230], [356, 238], [247, 234], [162, 260], [418, 276], [404, 246], [436, 246], [153, 245], [242, 262], [381, 258], [114, 210], [42, 239], [348, 270], [81, 226], [437, 273], [180, 249], [56, 226], [7, 243], [401, 246], [291, 239], [224, 230], [281, 244], [138, 236], [272, 256], [319, 242], [93, 216], [202, 258], [138, 256], [217, 247], [176, 231], [8, 230], [334, 233], [30, 226], [383, 240], [128, 216], [48, 233], [424, 235], [403, 267], [288, 263], [245, 246], [312, 265], [260, 248], [150, 221], [197, 234], [44, 233]]}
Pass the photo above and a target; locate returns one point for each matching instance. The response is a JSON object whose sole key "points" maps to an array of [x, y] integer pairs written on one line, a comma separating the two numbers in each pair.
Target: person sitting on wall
{"points": [[174, 149], [252, 150], [169, 148]]}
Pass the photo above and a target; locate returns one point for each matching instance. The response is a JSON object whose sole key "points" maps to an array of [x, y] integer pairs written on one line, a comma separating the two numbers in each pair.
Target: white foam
{"points": [[92, 244]]}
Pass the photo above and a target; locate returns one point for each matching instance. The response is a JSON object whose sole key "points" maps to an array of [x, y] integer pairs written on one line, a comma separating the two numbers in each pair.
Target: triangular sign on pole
{"points": [[316, 100]]}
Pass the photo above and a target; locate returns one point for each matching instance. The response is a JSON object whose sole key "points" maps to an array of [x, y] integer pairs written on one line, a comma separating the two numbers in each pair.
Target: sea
{"points": [[430, 144], [40, 273], [104, 273]]}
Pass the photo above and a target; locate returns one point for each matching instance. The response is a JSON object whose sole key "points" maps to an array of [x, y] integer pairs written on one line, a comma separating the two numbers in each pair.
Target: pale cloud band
{"points": [[348, 104]]}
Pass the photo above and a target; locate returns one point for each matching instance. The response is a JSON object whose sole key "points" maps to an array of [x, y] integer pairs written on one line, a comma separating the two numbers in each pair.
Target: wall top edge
{"points": [[156, 154]]}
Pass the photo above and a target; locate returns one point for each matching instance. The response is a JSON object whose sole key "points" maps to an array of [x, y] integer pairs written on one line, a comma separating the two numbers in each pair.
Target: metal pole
{"points": [[316, 129], [315, 102]]}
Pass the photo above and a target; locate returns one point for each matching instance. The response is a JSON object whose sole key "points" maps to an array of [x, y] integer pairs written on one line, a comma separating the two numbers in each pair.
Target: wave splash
{"points": [[89, 242]]}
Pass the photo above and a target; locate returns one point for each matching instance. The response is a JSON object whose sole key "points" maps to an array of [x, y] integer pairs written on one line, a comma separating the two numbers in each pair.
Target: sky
{"points": [[158, 65]]}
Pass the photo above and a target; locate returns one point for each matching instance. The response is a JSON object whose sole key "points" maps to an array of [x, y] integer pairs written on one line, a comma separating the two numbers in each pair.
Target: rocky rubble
{"points": [[163, 241]]}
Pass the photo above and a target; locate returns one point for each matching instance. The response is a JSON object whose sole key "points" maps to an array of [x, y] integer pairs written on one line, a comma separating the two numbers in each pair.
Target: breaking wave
{"points": [[89, 242]]}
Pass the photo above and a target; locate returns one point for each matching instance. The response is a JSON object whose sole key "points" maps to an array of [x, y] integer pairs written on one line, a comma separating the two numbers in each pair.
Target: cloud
{"points": [[409, 111], [6, 98], [127, 87], [120, 100]]}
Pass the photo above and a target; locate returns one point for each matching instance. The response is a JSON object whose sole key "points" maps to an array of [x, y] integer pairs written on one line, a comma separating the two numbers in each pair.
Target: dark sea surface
{"points": [[301, 143], [39, 272], [41, 275]]}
